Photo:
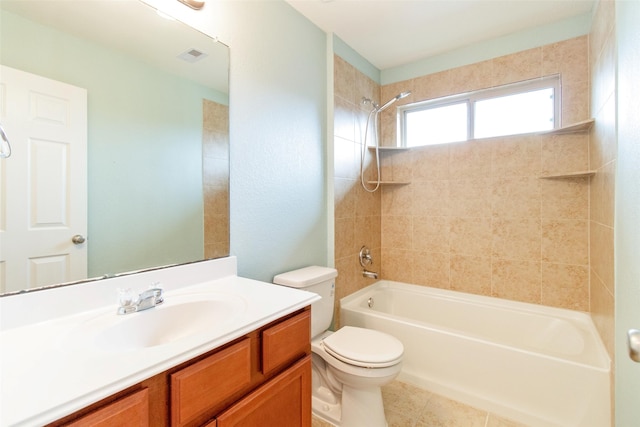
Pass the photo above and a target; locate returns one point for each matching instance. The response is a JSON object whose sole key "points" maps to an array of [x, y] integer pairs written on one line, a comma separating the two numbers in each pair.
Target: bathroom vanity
{"points": [[250, 364]]}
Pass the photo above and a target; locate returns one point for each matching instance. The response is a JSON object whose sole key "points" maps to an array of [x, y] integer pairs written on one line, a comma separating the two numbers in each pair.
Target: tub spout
{"points": [[369, 274]]}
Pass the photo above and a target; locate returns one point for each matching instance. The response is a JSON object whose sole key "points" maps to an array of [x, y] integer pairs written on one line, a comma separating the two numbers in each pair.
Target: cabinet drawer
{"points": [[197, 389], [286, 341], [130, 410]]}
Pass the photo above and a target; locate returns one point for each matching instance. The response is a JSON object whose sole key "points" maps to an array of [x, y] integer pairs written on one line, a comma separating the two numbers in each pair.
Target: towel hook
{"points": [[5, 147]]}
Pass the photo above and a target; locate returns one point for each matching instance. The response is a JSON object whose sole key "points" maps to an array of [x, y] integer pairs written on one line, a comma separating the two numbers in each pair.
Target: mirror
{"points": [[156, 137]]}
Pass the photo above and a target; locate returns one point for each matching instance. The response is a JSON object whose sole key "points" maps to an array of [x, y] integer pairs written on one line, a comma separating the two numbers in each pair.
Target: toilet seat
{"points": [[365, 348]]}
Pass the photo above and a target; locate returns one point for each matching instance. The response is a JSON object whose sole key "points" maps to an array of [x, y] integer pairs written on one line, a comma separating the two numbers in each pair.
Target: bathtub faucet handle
{"points": [[365, 257]]}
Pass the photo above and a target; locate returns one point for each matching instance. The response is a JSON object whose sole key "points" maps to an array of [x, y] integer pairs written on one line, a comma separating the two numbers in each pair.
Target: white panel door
{"points": [[44, 182]]}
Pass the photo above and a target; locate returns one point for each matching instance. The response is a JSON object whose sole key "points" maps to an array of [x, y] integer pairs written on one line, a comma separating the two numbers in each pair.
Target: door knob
{"points": [[633, 340], [78, 239]]}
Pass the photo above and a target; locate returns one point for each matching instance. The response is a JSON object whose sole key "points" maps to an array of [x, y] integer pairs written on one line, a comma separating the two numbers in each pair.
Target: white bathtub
{"points": [[537, 365]]}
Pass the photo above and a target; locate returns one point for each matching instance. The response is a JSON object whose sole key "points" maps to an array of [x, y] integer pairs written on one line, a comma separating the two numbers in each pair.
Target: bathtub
{"points": [[537, 365]]}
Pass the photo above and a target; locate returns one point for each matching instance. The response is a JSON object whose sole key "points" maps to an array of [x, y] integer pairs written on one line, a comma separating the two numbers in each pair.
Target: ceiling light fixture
{"points": [[193, 4]]}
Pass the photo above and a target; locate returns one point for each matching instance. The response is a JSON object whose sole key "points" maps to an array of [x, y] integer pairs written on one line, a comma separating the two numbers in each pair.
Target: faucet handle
{"points": [[126, 297]]}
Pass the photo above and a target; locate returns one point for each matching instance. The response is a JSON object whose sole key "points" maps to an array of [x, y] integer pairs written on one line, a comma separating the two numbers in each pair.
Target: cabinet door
{"points": [[132, 410], [285, 401]]}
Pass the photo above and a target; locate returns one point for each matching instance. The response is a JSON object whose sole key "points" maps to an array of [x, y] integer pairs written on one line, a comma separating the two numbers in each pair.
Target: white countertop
{"points": [[45, 374]]}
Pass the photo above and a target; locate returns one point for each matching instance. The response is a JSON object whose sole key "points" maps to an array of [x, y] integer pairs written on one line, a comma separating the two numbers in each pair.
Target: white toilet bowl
{"points": [[347, 386]]}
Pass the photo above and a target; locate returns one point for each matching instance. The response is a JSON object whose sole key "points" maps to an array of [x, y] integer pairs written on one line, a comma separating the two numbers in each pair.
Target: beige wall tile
{"points": [[602, 251], [397, 264], [603, 312], [575, 102], [516, 156], [516, 197], [368, 232], [517, 67], [343, 119], [565, 286], [603, 146], [346, 161], [602, 194], [397, 200], [568, 59], [397, 232], [344, 197], [470, 159], [471, 236], [367, 203], [516, 280], [565, 241], [604, 72], [345, 243], [431, 86], [516, 238], [472, 77], [564, 153], [400, 166], [470, 197], [565, 198], [431, 234], [430, 198], [471, 274], [344, 75], [431, 269], [430, 163], [602, 152]]}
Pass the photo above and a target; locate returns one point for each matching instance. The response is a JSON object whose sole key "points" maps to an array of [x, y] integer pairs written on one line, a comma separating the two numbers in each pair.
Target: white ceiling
{"points": [[390, 33]]}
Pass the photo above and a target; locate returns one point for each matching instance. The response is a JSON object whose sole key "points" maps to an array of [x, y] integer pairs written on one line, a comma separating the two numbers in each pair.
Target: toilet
{"points": [[350, 365]]}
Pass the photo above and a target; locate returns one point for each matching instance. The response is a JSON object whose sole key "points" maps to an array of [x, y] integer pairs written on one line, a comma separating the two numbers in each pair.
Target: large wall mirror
{"points": [[155, 182]]}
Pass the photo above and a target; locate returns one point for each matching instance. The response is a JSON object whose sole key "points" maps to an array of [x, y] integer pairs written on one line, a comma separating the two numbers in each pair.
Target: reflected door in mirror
{"points": [[44, 182]]}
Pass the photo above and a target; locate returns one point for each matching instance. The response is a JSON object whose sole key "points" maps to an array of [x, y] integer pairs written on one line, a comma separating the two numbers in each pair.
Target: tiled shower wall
{"points": [[357, 212], [215, 166], [603, 153], [476, 217]]}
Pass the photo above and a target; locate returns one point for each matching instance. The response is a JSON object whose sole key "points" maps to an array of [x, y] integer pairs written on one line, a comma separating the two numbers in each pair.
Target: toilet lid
{"points": [[364, 347]]}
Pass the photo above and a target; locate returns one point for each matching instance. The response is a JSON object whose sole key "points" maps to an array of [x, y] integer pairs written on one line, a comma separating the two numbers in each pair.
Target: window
{"points": [[526, 107]]}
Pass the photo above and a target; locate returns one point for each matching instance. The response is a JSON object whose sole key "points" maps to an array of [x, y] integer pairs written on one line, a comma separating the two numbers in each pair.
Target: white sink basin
{"points": [[179, 317]]}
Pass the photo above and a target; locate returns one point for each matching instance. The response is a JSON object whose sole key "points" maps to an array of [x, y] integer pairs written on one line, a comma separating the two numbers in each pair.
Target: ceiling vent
{"points": [[192, 55]]}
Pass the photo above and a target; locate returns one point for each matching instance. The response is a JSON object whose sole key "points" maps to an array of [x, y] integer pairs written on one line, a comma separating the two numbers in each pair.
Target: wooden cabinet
{"points": [[285, 401], [130, 410], [199, 387], [262, 378]]}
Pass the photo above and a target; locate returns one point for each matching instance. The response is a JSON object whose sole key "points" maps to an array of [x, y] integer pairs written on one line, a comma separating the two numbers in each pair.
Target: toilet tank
{"points": [[320, 280]]}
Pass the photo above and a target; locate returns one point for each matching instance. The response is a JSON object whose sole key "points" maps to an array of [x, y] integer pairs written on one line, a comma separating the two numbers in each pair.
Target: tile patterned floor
{"points": [[409, 406]]}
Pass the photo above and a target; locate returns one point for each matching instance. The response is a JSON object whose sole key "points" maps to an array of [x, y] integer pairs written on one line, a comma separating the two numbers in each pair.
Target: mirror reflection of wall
{"points": [[146, 128], [215, 172]]}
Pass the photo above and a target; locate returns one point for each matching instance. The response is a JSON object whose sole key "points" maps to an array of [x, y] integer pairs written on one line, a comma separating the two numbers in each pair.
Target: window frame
{"points": [[470, 98]]}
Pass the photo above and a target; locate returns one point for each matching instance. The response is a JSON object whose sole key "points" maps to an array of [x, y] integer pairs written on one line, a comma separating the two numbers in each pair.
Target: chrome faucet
{"points": [[147, 299], [369, 274], [366, 260]]}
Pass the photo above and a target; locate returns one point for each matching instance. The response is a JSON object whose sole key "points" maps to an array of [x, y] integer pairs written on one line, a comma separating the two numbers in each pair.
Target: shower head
{"points": [[392, 100]]}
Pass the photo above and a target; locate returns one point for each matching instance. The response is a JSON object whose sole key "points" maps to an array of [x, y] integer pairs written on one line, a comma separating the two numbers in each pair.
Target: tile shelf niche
{"points": [[583, 126], [389, 182], [389, 149]]}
